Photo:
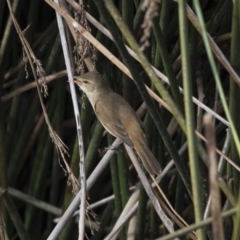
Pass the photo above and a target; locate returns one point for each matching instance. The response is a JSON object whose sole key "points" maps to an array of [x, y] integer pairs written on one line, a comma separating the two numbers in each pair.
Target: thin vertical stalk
{"points": [[123, 178], [167, 63], [116, 186], [2, 4], [137, 21], [5, 41], [217, 226], [79, 128], [127, 14], [164, 16], [86, 119], [93, 146], [221, 168], [68, 196], [3, 175], [190, 127], [154, 221], [234, 89], [55, 171], [33, 16], [123, 175], [141, 213]]}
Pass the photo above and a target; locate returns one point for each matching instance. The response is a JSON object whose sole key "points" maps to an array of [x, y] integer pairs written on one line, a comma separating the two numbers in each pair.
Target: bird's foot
{"points": [[111, 148]]}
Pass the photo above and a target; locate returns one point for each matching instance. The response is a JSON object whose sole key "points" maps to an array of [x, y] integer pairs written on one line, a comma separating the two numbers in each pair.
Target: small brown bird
{"points": [[117, 117]]}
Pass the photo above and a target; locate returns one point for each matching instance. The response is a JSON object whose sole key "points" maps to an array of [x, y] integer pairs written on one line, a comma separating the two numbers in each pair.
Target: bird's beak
{"points": [[77, 80]]}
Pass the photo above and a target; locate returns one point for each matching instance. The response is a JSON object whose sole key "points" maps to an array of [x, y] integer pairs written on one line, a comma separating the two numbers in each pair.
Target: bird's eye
{"points": [[85, 82]]}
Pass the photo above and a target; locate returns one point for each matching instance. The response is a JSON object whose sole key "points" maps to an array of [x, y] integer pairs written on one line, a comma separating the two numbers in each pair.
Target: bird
{"points": [[117, 117]]}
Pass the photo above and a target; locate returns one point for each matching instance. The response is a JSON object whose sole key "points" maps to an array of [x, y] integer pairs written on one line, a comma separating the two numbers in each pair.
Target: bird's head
{"points": [[90, 82]]}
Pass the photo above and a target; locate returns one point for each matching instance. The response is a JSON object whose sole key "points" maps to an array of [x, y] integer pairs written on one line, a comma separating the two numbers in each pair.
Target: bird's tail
{"points": [[147, 158]]}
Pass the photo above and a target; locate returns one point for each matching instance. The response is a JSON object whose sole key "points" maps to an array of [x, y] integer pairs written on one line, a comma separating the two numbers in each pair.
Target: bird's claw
{"points": [[111, 148]]}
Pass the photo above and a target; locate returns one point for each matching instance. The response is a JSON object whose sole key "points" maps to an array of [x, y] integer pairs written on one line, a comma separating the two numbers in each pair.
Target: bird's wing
{"points": [[110, 120]]}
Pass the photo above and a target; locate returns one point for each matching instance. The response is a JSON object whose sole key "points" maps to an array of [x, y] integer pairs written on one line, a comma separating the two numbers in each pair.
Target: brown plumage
{"points": [[117, 116]]}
